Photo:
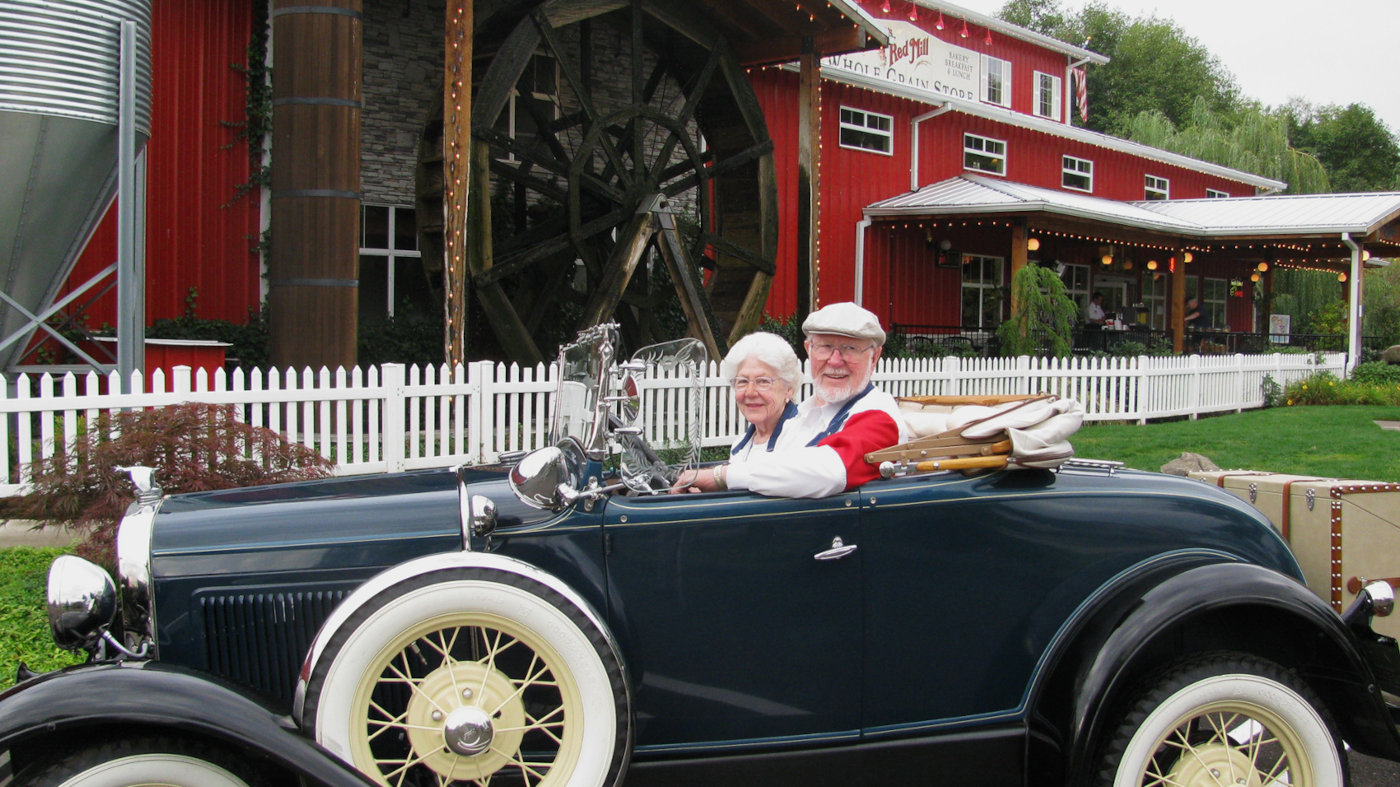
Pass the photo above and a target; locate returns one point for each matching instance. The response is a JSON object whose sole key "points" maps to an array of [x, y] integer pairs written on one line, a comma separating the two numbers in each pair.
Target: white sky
{"points": [[1339, 52]]}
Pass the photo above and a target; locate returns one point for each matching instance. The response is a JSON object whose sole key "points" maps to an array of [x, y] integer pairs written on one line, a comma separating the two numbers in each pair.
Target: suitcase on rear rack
{"points": [[1344, 533]]}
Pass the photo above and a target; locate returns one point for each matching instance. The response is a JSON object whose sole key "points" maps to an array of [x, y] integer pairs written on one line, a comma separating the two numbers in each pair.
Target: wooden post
{"points": [[1177, 266], [456, 158], [313, 269], [1019, 257], [808, 180]]}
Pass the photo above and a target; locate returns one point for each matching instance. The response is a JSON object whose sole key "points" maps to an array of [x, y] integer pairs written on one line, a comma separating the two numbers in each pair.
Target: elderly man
{"points": [[844, 419]]}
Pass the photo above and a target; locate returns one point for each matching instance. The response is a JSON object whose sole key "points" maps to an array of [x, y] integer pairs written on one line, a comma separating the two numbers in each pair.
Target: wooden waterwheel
{"points": [[622, 171]]}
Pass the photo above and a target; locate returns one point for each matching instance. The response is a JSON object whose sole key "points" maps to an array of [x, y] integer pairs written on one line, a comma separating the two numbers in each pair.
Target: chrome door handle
{"points": [[839, 549]]}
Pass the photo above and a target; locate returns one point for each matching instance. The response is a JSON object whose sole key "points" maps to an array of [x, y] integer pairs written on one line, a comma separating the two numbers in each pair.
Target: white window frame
{"points": [[977, 145], [392, 254], [511, 112], [1049, 86], [1215, 298], [1076, 281], [973, 279], [866, 130], [996, 87], [1217, 194], [1072, 169], [1156, 187], [1154, 297]]}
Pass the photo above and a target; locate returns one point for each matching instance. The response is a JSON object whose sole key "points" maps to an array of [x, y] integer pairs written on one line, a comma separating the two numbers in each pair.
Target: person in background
{"points": [[845, 418], [1095, 314], [1193, 314]]}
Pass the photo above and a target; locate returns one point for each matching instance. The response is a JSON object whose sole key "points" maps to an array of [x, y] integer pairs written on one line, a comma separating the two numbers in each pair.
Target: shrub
{"points": [[1325, 388], [1376, 373], [193, 447]]}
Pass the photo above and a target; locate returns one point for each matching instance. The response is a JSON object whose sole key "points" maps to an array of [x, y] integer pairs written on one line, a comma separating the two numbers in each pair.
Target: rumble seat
{"points": [[970, 432]]}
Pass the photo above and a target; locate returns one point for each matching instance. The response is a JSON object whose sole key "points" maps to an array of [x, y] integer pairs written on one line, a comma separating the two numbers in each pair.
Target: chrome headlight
{"points": [[82, 601]]}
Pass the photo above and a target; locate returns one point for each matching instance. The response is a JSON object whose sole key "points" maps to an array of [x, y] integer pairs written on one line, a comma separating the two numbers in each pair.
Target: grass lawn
{"points": [[24, 623], [1329, 441]]}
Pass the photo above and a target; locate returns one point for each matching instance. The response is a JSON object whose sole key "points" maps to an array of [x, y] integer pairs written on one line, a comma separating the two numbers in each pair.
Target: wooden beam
{"points": [[1178, 300], [808, 185], [456, 161], [1019, 255]]}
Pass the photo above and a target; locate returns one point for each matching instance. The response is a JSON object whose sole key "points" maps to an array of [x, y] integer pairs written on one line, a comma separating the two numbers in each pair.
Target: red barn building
{"points": [[942, 163]]}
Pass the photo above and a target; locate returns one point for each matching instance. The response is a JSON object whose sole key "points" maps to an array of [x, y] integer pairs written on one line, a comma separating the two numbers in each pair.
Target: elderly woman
{"points": [[765, 375]]}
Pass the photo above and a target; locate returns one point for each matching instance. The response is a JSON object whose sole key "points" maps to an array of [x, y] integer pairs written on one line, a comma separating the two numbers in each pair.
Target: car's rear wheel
{"points": [[1226, 719], [143, 760], [472, 676]]}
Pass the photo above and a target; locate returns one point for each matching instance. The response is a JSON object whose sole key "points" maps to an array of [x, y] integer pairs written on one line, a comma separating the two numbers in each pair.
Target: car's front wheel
{"points": [[1225, 719], [142, 760], [472, 676]]}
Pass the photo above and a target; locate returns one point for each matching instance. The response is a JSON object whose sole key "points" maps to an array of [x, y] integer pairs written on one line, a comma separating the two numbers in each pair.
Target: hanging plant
{"points": [[1043, 322]]}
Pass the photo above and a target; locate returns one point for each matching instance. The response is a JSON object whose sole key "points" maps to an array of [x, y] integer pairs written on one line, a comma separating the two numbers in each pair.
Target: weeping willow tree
{"points": [[1251, 141], [1043, 322]]}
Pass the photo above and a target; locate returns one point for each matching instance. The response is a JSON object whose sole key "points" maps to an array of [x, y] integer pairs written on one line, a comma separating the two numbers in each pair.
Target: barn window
{"points": [[1076, 173], [863, 130], [984, 154]]}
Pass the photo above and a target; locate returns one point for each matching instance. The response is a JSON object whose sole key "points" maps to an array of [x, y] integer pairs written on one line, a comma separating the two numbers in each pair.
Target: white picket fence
{"points": [[392, 417]]}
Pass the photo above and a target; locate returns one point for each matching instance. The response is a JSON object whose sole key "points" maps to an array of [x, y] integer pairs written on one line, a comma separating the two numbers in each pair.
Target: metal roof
{"points": [[1360, 214]]}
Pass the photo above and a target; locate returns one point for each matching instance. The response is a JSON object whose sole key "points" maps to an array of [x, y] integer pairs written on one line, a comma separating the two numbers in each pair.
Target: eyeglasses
{"points": [[821, 350], [758, 383]]}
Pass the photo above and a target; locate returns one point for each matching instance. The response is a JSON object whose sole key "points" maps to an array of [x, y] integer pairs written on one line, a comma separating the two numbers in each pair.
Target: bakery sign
{"points": [[915, 59]]}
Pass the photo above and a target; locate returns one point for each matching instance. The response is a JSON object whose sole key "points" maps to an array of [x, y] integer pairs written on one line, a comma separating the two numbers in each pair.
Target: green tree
{"points": [[1043, 323], [1381, 295], [1248, 139], [1154, 64], [1359, 152]]}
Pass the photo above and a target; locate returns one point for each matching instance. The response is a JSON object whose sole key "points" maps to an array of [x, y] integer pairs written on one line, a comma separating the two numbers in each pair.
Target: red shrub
{"points": [[192, 446]]}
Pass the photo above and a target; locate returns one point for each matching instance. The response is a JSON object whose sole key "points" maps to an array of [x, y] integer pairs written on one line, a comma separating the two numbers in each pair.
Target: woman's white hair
{"points": [[770, 348]]}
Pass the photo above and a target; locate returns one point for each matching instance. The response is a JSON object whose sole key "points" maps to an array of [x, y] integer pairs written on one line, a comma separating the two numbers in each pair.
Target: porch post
{"points": [[808, 179], [1018, 258], [1178, 300]]}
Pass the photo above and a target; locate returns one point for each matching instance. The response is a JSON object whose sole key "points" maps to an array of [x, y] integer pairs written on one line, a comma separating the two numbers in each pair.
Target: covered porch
{"points": [[970, 234]]}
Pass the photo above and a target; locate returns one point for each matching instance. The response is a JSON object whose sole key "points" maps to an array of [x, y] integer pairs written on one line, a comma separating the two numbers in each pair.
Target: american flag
{"points": [[1081, 92]]}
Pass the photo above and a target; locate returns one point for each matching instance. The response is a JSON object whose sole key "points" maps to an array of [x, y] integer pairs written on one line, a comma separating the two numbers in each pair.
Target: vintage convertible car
{"points": [[558, 620]]}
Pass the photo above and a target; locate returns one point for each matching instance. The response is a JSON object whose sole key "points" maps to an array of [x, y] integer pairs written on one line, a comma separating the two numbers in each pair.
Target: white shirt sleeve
{"points": [[791, 472]]}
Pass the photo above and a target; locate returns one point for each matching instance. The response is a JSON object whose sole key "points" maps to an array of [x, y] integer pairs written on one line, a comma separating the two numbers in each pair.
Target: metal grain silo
{"points": [[59, 105]]}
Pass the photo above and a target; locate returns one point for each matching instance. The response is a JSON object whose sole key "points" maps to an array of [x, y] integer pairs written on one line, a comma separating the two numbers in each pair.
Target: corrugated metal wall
{"points": [[197, 235]]}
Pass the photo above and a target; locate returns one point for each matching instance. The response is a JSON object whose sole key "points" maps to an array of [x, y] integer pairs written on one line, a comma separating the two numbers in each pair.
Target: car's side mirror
{"points": [[549, 478]]}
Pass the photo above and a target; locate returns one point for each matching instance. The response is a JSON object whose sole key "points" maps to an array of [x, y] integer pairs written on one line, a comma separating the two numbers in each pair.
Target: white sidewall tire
{"points": [[1291, 708], [335, 712], [154, 769]]}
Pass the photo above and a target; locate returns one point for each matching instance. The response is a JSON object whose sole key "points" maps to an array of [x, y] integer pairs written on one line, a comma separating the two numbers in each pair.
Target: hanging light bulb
{"points": [[1187, 257], [1254, 277], [1263, 266], [913, 12], [964, 30], [1106, 259], [988, 39], [1152, 265], [885, 6], [1033, 244], [939, 24]]}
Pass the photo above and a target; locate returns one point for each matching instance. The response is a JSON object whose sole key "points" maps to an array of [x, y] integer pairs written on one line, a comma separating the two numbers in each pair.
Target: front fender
{"points": [[1223, 606], [426, 565], [111, 698]]}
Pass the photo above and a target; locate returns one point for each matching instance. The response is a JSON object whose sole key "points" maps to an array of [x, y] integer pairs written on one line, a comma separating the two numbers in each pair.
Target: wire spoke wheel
{"points": [[471, 676], [471, 699], [1225, 720], [586, 120]]}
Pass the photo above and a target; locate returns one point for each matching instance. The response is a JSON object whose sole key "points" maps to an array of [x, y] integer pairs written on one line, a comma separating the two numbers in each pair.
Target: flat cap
{"points": [[845, 319]]}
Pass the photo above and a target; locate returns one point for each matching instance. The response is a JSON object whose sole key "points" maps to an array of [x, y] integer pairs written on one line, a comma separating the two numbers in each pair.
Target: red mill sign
{"points": [[915, 59]]}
